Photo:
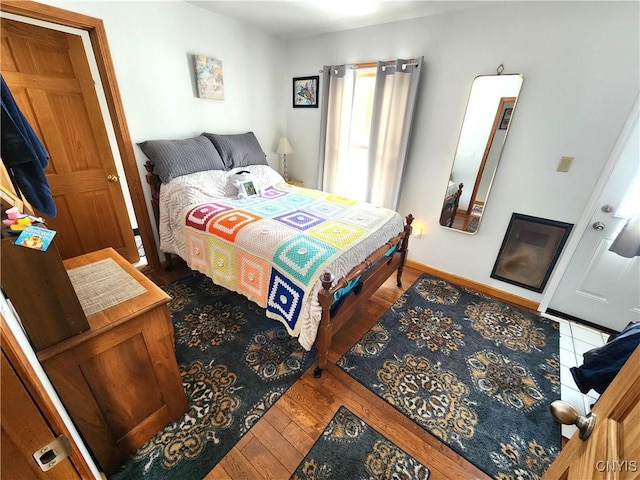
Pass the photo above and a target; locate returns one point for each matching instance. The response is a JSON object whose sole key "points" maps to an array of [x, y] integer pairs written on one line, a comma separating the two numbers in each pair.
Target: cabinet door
{"points": [[121, 386]]}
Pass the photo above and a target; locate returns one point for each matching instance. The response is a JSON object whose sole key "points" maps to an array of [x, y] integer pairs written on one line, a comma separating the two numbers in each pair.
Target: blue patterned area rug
{"points": [[235, 364], [350, 449], [474, 372]]}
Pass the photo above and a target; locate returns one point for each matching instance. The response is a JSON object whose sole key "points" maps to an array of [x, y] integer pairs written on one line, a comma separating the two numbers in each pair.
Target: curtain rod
{"points": [[375, 64]]}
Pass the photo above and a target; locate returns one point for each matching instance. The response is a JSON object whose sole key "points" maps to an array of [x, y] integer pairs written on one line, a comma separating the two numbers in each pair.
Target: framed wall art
{"points": [[305, 92], [209, 77], [530, 250], [506, 118]]}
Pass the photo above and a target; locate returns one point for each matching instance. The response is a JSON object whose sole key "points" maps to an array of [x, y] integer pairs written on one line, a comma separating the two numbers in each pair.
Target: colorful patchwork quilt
{"points": [[273, 248]]}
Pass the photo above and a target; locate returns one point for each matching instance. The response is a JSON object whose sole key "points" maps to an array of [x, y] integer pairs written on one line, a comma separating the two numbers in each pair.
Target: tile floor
{"points": [[143, 259], [575, 340]]}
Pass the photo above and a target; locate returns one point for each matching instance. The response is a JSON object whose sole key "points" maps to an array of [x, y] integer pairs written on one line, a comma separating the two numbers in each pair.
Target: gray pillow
{"points": [[239, 150], [173, 158]]}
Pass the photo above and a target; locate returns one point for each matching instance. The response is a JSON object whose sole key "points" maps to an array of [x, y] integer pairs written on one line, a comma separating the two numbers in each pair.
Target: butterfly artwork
{"points": [[305, 92]]}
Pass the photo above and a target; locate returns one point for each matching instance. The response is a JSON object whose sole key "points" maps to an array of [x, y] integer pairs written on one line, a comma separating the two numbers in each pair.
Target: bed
{"points": [[308, 257], [450, 204]]}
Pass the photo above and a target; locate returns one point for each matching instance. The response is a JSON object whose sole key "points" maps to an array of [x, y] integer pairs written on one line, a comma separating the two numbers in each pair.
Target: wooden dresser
{"points": [[293, 181], [119, 380]]}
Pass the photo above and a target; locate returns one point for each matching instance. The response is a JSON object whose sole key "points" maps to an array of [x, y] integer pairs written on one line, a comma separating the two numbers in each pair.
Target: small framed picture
{"points": [[529, 251], [305, 92], [247, 189], [506, 118]]}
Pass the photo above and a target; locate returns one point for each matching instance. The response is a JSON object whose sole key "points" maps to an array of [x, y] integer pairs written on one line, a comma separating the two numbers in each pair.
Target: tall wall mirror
{"points": [[490, 109]]}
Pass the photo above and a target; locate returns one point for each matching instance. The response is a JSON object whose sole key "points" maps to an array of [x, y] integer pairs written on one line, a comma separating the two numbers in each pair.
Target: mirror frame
{"points": [[488, 148]]}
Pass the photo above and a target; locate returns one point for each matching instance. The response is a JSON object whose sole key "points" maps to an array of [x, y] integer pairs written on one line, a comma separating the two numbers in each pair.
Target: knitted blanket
{"points": [[273, 248]]}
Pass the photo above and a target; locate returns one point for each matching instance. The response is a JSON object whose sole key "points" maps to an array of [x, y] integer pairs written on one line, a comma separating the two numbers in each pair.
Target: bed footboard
{"points": [[372, 273]]}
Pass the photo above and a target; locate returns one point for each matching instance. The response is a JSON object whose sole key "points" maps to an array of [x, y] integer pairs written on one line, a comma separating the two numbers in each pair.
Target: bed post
{"points": [[404, 248], [154, 182], [323, 340]]}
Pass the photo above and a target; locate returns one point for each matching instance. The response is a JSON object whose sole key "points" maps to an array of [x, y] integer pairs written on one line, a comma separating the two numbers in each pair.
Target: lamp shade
{"points": [[284, 147]]}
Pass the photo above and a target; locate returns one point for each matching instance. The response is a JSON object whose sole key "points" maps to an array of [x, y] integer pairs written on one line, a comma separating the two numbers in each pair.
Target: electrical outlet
{"points": [[564, 164]]}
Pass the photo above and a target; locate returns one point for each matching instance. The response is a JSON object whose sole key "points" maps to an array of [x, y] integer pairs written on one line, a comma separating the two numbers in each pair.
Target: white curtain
{"points": [[339, 83], [396, 87]]}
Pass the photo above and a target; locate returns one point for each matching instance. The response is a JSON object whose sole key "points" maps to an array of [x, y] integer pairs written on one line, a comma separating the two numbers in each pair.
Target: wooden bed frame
{"points": [[371, 274], [450, 207]]}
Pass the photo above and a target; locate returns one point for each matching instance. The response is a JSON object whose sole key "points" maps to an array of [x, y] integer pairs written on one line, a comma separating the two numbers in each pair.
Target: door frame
{"points": [[97, 34], [593, 203]]}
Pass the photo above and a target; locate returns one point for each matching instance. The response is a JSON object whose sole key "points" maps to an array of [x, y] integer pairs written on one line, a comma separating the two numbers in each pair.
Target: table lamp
{"points": [[284, 147]]}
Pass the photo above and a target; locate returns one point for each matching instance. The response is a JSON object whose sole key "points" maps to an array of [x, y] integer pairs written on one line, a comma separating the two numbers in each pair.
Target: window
{"points": [[353, 172], [366, 118]]}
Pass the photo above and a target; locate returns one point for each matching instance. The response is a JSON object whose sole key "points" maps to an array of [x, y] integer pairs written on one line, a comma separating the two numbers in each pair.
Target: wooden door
{"points": [[613, 449], [49, 76], [24, 431], [30, 418], [600, 286]]}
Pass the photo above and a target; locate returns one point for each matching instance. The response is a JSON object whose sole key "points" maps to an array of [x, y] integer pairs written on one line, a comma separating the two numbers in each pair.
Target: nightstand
{"points": [[119, 380], [293, 181]]}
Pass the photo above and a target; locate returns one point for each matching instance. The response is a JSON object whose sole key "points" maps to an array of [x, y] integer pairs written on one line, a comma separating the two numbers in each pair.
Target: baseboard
{"points": [[480, 287]]}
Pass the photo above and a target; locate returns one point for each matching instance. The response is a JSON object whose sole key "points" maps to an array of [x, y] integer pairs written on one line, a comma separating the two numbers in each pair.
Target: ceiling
{"points": [[292, 19]]}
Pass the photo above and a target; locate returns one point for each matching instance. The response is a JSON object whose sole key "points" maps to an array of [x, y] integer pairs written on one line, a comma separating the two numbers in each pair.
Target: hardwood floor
{"points": [[462, 221], [276, 445]]}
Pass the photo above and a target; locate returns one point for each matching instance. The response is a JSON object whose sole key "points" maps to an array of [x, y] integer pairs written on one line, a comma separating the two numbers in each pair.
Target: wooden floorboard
{"points": [[274, 447]]}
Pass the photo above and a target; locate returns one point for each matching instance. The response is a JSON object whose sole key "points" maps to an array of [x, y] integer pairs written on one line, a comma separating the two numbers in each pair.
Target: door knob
{"points": [[564, 413], [598, 226], [113, 178]]}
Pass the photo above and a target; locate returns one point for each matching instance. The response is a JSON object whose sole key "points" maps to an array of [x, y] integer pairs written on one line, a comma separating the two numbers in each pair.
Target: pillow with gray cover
{"points": [[174, 158], [238, 150]]}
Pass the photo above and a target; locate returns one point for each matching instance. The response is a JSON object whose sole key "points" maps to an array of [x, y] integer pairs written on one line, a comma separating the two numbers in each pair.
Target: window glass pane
{"points": [[353, 178], [362, 108]]}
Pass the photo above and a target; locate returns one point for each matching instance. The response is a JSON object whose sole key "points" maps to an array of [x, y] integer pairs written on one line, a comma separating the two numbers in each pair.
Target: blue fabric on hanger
{"points": [[602, 364], [24, 155]]}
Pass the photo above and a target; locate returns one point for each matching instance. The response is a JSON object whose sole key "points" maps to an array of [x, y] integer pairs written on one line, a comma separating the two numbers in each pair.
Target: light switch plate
{"points": [[564, 164]]}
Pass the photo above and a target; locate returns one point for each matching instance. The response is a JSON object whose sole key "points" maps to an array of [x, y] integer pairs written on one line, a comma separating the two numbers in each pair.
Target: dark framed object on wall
{"points": [[530, 250], [305, 92], [506, 118]]}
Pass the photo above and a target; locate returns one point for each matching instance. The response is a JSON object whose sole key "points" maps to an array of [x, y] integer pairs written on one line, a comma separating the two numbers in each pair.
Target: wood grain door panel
{"points": [[120, 385], [24, 431], [112, 368], [50, 78], [613, 449]]}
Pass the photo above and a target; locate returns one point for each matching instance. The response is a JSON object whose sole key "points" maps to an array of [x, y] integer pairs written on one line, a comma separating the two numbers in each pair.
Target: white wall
{"points": [[152, 44], [580, 62]]}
